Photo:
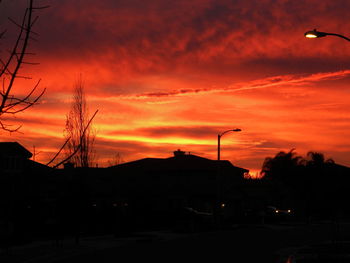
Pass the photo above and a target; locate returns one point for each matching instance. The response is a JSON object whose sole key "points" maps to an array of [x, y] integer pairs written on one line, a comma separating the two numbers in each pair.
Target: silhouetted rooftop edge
{"points": [[14, 149], [178, 161]]}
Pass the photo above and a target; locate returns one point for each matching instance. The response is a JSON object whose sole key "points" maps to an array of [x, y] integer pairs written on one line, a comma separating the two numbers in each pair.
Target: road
{"points": [[242, 244]]}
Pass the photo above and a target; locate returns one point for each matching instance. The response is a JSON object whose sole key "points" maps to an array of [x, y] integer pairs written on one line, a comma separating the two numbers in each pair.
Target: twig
{"points": [[79, 146], [59, 151]]}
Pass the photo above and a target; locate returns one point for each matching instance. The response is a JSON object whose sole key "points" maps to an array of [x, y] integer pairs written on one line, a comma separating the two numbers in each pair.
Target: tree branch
{"points": [[64, 145], [10, 67], [80, 144]]}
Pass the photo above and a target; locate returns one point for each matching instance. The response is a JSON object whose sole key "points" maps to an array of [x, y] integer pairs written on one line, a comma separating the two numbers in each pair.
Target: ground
{"points": [[239, 243]]}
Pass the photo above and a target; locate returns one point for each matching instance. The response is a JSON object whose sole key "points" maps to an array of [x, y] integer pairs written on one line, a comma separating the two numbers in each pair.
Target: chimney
{"points": [[179, 153], [68, 165]]}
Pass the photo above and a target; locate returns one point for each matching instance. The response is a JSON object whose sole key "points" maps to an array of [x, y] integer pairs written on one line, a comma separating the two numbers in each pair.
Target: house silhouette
{"points": [[147, 193], [14, 158], [23, 191], [163, 186]]}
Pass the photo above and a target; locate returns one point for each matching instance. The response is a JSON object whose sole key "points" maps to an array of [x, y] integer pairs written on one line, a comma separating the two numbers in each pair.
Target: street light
{"points": [[219, 137], [219, 206], [316, 34]]}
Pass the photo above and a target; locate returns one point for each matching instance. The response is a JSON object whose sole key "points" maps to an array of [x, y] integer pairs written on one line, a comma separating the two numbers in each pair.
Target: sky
{"points": [[168, 75]]}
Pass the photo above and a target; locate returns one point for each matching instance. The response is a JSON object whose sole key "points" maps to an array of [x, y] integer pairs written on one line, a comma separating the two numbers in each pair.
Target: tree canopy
{"points": [[288, 166]]}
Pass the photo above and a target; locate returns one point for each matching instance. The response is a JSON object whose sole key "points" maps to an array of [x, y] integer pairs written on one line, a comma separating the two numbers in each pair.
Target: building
{"points": [[149, 192], [160, 187], [23, 188]]}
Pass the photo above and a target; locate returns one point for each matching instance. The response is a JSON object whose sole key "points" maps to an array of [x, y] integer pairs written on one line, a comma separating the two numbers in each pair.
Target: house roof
{"points": [[179, 162], [14, 149], [39, 166]]}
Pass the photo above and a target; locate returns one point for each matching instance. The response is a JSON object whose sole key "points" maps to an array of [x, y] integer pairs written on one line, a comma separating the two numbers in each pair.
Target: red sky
{"points": [[169, 75]]}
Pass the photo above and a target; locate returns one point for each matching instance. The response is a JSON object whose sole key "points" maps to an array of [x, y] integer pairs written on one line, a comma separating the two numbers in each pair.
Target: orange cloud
{"points": [[173, 74]]}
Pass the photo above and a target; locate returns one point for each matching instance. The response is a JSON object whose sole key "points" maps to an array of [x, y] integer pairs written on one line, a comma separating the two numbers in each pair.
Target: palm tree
{"points": [[321, 182], [283, 172], [317, 159], [283, 166]]}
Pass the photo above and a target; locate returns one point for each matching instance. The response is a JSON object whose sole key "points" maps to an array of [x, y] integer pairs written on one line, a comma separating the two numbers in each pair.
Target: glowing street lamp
{"points": [[219, 137], [220, 205], [317, 34]]}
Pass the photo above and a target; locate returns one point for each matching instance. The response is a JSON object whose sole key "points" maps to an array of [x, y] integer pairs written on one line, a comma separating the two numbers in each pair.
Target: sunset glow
{"points": [[168, 75]]}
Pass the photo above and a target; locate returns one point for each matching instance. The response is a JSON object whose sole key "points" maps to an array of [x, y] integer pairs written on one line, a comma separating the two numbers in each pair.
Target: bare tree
{"points": [[67, 159], [116, 160], [79, 133], [10, 66]]}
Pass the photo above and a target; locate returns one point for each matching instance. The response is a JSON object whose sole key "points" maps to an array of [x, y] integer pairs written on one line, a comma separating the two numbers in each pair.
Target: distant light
{"points": [[289, 210], [223, 205], [277, 211], [94, 205]]}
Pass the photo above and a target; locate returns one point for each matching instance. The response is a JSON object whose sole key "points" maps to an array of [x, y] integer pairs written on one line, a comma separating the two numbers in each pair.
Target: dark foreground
{"points": [[244, 243]]}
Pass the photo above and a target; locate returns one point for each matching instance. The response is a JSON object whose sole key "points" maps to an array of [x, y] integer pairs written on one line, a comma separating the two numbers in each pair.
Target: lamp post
{"points": [[219, 137], [317, 34], [218, 179]]}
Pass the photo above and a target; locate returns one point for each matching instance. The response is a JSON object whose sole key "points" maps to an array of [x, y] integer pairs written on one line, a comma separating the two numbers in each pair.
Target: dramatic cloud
{"points": [[170, 74]]}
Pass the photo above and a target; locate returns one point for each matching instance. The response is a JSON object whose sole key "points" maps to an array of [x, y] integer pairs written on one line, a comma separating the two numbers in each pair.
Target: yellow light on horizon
{"points": [[167, 140]]}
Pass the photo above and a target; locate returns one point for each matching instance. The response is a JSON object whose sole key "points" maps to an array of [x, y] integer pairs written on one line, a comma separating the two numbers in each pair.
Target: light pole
{"points": [[316, 34], [218, 179], [219, 137]]}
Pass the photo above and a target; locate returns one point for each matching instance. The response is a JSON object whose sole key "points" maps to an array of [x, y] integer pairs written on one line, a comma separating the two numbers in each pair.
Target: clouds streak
{"points": [[183, 71]]}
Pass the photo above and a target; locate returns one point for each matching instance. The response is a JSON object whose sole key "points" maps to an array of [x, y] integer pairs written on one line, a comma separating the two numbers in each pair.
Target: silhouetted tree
{"points": [[285, 171], [10, 65], [117, 159], [319, 169], [317, 160], [321, 182], [281, 167], [81, 135], [311, 183]]}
